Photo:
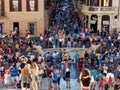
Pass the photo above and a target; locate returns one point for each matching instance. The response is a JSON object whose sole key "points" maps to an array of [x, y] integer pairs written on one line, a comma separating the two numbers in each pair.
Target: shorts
{"points": [[14, 79], [26, 85], [40, 75], [50, 80], [7, 82], [67, 79]]}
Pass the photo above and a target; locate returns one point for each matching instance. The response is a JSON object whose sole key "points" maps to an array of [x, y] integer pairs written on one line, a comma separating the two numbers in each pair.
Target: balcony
{"points": [[97, 9]]}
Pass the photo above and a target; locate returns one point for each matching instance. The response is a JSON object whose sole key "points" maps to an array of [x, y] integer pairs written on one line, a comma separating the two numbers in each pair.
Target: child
{"points": [[101, 84], [7, 78]]}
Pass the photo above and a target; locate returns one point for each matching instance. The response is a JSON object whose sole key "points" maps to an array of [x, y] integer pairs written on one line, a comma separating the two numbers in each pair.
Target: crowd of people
{"points": [[27, 70], [22, 67]]}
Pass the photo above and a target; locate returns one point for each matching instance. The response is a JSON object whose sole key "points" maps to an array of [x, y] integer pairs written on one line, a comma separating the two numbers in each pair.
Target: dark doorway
{"points": [[105, 22], [16, 27], [1, 28], [94, 22]]}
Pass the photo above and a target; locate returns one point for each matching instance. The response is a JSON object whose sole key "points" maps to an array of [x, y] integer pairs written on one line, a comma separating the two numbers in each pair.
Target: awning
{"points": [[92, 21], [106, 22]]}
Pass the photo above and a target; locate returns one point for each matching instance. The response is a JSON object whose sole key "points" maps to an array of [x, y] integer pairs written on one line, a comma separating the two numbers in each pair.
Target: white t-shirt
{"points": [[41, 38], [105, 69], [112, 76]]}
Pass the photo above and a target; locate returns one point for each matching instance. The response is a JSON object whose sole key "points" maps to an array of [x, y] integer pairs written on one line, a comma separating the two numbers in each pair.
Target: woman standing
{"points": [[80, 64], [55, 78], [85, 79], [40, 76], [7, 79], [34, 72], [67, 78], [25, 78], [59, 74]]}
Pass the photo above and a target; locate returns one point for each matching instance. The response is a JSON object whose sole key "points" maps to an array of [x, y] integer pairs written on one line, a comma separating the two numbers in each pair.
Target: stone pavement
{"points": [[74, 85]]}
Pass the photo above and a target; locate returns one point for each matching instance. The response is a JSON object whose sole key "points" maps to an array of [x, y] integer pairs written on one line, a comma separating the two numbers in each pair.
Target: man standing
{"points": [[111, 78]]}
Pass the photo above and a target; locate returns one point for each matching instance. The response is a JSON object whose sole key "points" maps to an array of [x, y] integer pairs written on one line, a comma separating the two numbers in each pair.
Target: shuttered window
{"points": [[94, 2], [15, 5], [106, 3], [2, 11], [32, 5], [47, 4], [88, 2]]}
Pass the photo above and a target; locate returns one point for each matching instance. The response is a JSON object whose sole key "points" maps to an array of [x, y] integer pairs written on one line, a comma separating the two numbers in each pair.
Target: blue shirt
{"points": [[14, 72], [94, 74], [55, 76]]}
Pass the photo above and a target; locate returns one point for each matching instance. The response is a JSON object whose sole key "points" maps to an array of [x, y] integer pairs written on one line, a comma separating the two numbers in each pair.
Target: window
{"points": [[94, 2], [32, 27], [15, 5], [106, 3], [2, 8], [32, 5]]}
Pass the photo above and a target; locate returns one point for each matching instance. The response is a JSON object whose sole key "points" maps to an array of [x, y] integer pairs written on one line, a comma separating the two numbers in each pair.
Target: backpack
{"points": [[110, 79]]}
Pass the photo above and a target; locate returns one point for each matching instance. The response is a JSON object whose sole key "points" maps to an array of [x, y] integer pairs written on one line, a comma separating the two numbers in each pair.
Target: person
{"points": [[67, 78], [40, 76], [117, 83], [26, 78], [55, 78], [7, 78], [59, 74], [34, 72], [14, 75], [80, 64], [49, 73], [19, 82], [2, 72], [105, 68], [94, 74], [85, 79], [105, 81], [111, 78], [100, 84], [92, 57], [117, 71]]}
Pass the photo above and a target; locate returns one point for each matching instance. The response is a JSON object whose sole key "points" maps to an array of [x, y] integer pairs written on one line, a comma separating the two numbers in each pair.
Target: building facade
{"points": [[99, 14], [22, 15]]}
